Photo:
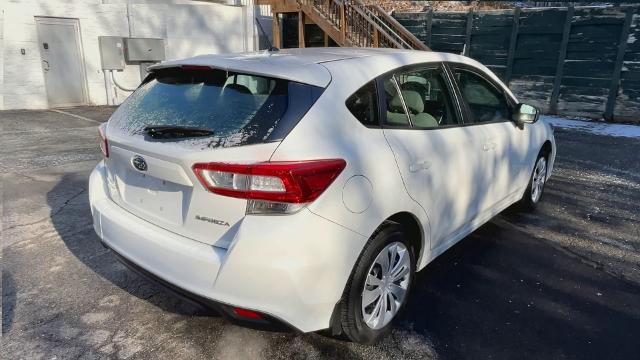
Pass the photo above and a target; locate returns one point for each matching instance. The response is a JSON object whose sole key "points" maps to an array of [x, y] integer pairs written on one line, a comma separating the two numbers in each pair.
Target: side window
{"points": [[363, 104], [427, 98], [396, 116], [485, 102]]}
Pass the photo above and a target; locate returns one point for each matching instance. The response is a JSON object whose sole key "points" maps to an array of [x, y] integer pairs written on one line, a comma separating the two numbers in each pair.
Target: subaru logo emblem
{"points": [[139, 163]]}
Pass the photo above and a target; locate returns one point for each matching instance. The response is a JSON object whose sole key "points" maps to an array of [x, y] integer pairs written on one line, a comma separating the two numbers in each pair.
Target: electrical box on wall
{"points": [[111, 52], [144, 49]]}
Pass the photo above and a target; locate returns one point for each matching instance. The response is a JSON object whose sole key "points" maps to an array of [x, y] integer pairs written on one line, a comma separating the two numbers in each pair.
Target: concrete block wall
{"points": [[189, 28]]}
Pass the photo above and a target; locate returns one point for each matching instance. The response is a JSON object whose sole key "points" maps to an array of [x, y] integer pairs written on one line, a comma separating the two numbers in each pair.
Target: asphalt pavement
{"points": [[560, 283]]}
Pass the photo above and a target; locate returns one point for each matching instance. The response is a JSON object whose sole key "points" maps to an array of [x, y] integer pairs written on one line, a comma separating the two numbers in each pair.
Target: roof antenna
{"points": [[271, 47]]}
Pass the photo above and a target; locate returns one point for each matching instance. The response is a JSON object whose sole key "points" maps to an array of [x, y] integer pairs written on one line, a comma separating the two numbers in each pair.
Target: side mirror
{"points": [[525, 114]]}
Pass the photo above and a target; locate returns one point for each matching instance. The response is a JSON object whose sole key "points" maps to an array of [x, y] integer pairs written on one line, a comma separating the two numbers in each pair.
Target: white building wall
{"points": [[1, 58], [189, 28], [217, 32]]}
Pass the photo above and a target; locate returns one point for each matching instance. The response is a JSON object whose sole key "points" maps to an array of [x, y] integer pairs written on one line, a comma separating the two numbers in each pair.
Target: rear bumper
{"points": [[292, 268], [268, 323]]}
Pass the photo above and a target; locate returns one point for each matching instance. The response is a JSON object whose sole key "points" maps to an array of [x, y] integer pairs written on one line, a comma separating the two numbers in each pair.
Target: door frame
{"points": [[439, 241], [433, 65], [49, 20]]}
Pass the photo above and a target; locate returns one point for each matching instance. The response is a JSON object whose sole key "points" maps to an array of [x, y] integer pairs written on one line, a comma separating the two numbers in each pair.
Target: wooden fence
{"points": [[582, 61]]}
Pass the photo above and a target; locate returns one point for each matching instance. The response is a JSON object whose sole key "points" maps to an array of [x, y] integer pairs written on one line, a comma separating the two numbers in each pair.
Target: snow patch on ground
{"points": [[598, 128]]}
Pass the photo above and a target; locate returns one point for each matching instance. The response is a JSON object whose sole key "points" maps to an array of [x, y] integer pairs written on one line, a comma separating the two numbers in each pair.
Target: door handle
{"points": [[46, 62], [422, 165]]}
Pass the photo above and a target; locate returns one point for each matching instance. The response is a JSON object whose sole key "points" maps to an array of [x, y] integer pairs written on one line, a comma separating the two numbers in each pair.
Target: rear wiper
{"points": [[176, 131]]}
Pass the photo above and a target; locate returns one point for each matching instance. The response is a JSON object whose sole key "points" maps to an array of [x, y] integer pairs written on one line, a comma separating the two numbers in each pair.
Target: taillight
{"points": [[274, 187], [104, 144]]}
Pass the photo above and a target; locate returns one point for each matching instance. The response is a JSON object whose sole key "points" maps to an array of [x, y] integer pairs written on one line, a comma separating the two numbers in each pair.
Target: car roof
{"points": [[305, 65]]}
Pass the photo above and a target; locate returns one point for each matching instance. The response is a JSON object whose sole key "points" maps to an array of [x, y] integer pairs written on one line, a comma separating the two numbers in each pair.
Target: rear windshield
{"points": [[240, 109]]}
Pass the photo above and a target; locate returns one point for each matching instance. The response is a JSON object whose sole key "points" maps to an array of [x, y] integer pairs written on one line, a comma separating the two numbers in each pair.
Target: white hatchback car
{"points": [[306, 187]]}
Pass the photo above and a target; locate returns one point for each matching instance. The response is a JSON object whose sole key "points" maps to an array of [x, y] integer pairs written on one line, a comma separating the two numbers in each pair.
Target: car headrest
{"points": [[239, 88], [478, 94], [412, 99]]}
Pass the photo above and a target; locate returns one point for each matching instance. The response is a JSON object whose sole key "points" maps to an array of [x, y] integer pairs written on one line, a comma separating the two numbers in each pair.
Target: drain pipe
{"points": [[111, 83], [129, 15], [108, 89]]}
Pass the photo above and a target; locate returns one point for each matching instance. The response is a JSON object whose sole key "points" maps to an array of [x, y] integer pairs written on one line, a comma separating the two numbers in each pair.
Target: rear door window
{"points": [[426, 95], [240, 109]]}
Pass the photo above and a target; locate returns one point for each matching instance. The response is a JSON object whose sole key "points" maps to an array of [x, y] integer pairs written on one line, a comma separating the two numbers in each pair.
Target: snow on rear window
{"points": [[240, 109]]}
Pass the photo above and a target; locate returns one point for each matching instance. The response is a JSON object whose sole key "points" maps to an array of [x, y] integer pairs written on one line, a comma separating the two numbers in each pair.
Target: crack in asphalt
{"points": [[51, 215]]}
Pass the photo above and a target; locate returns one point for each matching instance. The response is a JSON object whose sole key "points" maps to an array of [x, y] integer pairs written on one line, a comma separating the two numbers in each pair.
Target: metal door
{"points": [[62, 62]]}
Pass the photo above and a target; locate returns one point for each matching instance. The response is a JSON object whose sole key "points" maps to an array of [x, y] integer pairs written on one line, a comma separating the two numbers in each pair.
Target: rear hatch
{"points": [[186, 115]]}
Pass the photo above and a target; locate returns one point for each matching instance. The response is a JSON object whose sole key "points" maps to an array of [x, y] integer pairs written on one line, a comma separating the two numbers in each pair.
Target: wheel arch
{"points": [[546, 149], [415, 232], [416, 238]]}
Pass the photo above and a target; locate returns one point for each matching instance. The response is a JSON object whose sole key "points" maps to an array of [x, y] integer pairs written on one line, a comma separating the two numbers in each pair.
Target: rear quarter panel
{"points": [[329, 130]]}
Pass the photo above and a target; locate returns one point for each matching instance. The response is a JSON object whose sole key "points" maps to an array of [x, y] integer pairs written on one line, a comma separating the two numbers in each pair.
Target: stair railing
{"points": [[363, 31], [362, 26], [395, 29]]}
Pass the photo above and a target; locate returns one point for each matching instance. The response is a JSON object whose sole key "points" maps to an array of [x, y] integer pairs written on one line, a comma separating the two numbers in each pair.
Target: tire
{"points": [[537, 181], [391, 295]]}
